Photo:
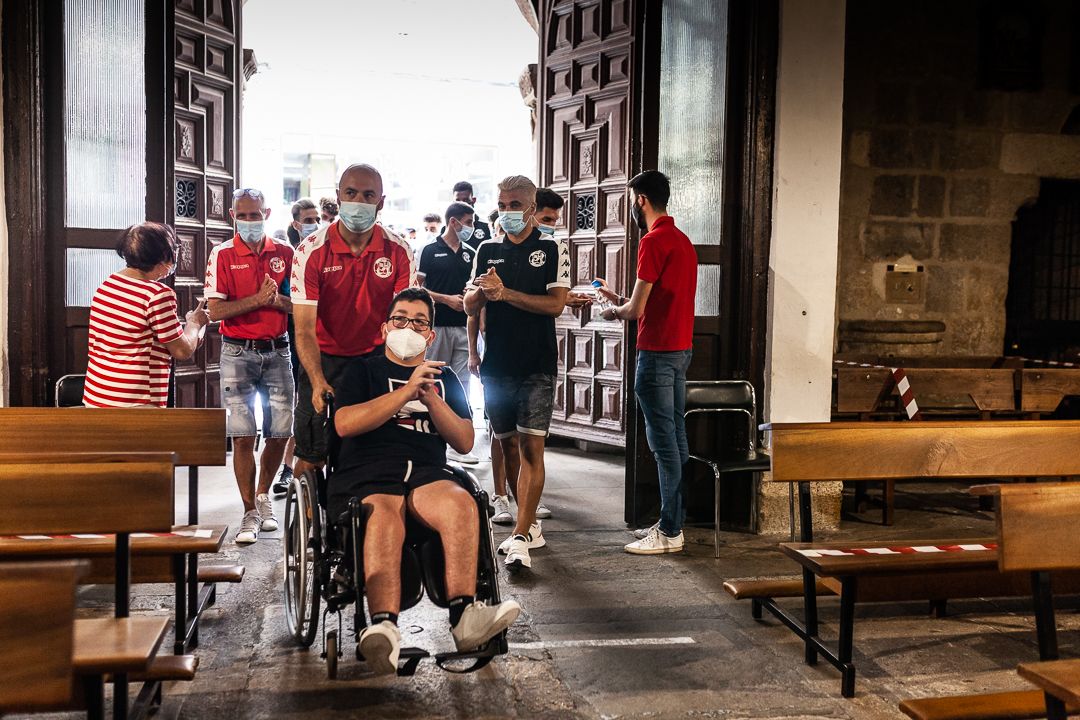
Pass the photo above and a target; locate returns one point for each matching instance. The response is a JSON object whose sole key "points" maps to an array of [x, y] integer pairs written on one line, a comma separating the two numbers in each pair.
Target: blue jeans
{"points": [[660, 387], [245, 373]]}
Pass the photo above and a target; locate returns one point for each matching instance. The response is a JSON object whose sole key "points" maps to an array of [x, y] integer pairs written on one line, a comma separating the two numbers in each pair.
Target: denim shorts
{"points": [[247, 372], [522, 404]]}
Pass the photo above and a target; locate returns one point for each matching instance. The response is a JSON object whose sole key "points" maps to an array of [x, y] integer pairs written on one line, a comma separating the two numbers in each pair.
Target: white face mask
{"points": [[405, 343]]}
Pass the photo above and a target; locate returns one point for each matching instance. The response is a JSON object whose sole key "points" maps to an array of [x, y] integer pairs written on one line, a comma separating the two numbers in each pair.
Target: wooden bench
{"points": [[37, 630], [195, 436], [1036, 536], [132, 495], [1042, 390], [904, 570]]}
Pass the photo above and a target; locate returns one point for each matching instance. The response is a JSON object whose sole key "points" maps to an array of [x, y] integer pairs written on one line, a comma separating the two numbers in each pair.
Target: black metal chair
{"points": [[69, 390], [728, 396]]}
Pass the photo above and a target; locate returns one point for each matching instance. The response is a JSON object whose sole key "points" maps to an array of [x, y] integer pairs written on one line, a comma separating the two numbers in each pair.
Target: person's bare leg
{"points": [[384, 535], [290, 446], [530, 484], [449, 510], [511, 463], [498, 468], [244, 469], [273, 450]]}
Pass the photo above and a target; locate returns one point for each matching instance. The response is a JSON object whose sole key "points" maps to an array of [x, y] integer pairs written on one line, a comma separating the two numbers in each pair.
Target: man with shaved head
{"points": [[344, 277]]}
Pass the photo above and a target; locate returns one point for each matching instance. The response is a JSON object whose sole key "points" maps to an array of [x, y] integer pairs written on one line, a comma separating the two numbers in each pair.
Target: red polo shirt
{"points": [[352, 292], [234, 272], [667, 259]]}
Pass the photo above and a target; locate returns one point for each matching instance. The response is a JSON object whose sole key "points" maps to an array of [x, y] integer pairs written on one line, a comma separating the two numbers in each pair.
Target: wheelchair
{"points": [[324, 567]]}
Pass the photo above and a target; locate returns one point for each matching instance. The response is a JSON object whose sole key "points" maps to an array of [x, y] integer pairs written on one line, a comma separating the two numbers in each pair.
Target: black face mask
{"points": [[639, 218]]}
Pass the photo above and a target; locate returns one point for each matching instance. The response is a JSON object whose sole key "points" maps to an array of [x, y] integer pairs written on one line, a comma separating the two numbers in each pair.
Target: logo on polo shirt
{"points": [[239, 267], [537, 258], [465, 256], [277, 264], [480, 235], [332, 268], [384, 268]]}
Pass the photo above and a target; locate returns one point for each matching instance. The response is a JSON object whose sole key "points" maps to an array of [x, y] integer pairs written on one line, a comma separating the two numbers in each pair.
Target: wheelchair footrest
{"points": [[408, 659], [481, 656]]}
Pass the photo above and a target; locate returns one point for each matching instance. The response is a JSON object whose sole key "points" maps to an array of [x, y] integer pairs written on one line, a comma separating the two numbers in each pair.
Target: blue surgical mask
{"points": [[548, 230], [513, 222], [464, 233], [358, 217], [307, 228], [250, 231]]}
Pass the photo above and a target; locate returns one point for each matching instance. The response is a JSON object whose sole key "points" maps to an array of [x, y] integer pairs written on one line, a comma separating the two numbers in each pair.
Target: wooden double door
{"points": [[115, 113]]}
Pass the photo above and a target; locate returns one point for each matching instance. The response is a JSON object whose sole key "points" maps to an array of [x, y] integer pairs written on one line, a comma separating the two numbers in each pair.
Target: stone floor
{"points": [[674, 645]]}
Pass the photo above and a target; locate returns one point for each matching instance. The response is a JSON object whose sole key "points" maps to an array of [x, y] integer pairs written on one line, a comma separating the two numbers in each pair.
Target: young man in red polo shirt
{"points": [[663, 304], [244, 277], [343, 279]]}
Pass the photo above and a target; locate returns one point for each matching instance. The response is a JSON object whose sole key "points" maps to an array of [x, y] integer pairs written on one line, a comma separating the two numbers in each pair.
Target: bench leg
{"points": [[716, 513], [810, 615], [120, 696], [1055, 708], [193, 595], [888, 502], [94, 690], [180, 620], [755, 608], [848, 588]]}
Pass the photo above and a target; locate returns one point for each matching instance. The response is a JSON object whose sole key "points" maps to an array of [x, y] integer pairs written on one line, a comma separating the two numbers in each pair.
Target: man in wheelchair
{"points": [[396, 414]]}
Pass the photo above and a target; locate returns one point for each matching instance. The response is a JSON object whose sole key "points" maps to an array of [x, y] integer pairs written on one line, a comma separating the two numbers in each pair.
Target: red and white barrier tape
{"points": [[906, 396]]}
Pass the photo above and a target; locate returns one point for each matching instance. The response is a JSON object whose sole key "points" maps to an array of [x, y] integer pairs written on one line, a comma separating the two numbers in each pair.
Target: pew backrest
{"points": [[37, 614], [1037, 526]]}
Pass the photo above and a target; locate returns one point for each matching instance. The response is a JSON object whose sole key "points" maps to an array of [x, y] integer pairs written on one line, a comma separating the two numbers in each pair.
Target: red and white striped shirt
{"points": [[130, 322]]}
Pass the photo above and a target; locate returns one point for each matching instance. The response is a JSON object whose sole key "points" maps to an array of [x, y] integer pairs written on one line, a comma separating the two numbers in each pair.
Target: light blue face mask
{"points": [[250, 231], [358, 217], [548, 230], [513, 222], [464, 233], [307, 228]]}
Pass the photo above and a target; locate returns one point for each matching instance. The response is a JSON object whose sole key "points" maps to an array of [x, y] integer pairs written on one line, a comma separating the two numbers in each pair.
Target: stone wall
{"points": [[936, 164]]}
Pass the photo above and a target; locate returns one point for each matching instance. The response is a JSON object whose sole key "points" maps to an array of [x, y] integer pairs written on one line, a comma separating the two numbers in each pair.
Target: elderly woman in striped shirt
{"points": [[134, 328]]}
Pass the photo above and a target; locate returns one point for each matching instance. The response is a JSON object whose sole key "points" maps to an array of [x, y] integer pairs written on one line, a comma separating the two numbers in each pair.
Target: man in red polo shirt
{"points": [[663, 304], [244, 277], [343, 279]]}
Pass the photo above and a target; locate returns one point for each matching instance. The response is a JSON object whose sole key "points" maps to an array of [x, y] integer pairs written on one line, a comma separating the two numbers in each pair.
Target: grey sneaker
{"points": [[479, 623], [265, 507], [542, 512], [249, 528], [655, 543], [642, 533], [535, 539], [502, 514], [380, 644]]}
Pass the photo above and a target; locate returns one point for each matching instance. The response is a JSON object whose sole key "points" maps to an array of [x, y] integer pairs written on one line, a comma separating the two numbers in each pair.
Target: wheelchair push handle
{"points": [[328, 398]]}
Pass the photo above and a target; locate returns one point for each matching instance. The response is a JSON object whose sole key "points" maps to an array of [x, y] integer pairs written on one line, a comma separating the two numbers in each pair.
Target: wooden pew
{"points": [[904, 570], [133, 495], [196, 436], [1042, 390], [37, 621], [1036, 536]]}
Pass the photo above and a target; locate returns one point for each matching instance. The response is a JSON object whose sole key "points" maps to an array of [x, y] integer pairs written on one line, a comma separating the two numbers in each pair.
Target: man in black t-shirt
{"points": [[444, 270], [397, 412], [463, 193], [521, 282]]}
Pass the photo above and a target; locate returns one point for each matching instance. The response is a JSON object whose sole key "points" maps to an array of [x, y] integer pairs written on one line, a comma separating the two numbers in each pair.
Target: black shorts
{"points": [[309, 428], [385, 478]]}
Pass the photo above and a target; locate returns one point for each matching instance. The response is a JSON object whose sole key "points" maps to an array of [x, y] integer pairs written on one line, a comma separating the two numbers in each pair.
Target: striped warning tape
{"points": [[897, 550], [1051, 363], [906, 396]]}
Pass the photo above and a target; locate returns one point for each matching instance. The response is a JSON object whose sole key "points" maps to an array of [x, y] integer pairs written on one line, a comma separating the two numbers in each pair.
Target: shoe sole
{"points": [[500, 623], [518, 563], [653, 551], [543, 516], [532, 544], [506, 519], [245, 541], [376, 650], [269, 525]]}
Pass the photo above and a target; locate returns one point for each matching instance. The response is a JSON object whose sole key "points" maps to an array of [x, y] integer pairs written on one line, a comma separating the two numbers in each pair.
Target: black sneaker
{"points": [[282, 481]]}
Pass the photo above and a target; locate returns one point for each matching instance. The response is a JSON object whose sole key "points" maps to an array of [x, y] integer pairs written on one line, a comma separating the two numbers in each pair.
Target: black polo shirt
{"points": [[447, 272], [481, 232], [519, 342]]}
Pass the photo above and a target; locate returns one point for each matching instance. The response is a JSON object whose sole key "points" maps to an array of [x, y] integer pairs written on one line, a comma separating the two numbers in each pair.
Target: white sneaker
{"points": [[535, 539], [380, 644], [466, 459], [517, 553], [249, 528], [265, 507], [542, 513], [642, 533], [502, 514], [655, 543], [479, 623]]}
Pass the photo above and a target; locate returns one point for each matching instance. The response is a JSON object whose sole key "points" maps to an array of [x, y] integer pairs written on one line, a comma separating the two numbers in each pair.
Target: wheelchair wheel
{"points": [[331, 654], [302, 548]]}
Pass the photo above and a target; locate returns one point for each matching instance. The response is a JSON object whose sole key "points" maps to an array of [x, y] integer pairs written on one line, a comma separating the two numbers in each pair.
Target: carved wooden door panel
{"points": [[586, 88], [204, 153]]}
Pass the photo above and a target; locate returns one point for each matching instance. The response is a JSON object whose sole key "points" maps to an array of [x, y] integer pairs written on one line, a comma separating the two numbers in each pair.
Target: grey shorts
{"points": [[247, 373], [519, 404]]}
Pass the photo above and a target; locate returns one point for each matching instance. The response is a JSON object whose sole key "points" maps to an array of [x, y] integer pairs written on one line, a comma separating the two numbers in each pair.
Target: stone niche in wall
{"points": [[940, 153]]}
